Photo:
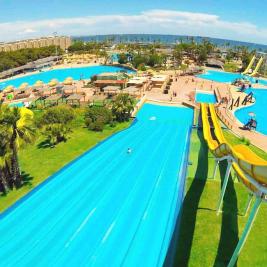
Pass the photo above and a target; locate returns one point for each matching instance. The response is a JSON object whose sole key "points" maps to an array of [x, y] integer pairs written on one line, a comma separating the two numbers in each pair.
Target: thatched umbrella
{"points": [[68, 81], [39, 83], [8, 89], [53, 82], [23, 86]]}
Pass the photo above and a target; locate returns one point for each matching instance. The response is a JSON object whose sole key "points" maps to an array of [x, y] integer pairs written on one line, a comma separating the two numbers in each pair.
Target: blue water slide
{"points": [[108, 207]]}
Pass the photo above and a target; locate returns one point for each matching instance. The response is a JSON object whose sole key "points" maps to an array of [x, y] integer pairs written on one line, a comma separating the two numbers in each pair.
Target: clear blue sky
{"points": [[230, 17]]}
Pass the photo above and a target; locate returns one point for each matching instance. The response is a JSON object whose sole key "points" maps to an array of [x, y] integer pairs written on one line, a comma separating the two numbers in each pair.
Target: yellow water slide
{"points": [[257, 67], [249, 65], [250, 168]]}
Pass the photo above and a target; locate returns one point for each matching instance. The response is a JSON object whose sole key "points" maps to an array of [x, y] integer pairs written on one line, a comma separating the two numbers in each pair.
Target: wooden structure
{"points": [[53, 99], [112, 79], [132, 90], [75, 99], [111, 90]]}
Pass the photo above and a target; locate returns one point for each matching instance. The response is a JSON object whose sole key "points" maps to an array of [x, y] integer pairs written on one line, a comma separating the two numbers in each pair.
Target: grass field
{"points": [[205, 238], [231, 66], [39, 161]]}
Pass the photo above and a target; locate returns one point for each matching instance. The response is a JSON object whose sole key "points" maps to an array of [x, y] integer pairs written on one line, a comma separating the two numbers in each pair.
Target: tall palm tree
{"points": [[122, 106], [5, 159], [18, 125]]}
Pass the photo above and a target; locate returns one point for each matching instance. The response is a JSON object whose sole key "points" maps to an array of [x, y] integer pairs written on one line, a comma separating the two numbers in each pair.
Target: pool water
{"points": [[108, 207], [62, 74], [259, 108], [227, 77], [205, 98], [17, 104], [220, 76]]}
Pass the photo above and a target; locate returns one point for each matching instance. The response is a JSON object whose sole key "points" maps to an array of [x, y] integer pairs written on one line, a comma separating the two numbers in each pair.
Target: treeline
{"points": [[152, 55], [197, 52], [13, 59], [86, 47], [141, 60]]}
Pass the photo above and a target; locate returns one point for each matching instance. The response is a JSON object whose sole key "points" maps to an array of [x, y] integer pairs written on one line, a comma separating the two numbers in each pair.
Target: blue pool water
{"points": [[220, 76], [205, 98], [62, 74], [259, 108], [227, 77], [17, 104], [107, 208]]}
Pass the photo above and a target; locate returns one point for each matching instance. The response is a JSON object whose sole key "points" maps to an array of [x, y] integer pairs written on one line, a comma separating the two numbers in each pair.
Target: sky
{"points": [[241, 20]]}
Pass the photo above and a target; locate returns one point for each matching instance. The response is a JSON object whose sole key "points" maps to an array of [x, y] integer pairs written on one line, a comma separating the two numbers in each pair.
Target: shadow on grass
{"points": [[180, 247], [26, 179], [229, 228], [44, 144]]}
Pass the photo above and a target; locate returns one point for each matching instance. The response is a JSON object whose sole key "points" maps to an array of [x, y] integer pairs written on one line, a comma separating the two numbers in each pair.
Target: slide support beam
{"points": [[225, 182], [215, 168], [250, 197], [246, 231]]}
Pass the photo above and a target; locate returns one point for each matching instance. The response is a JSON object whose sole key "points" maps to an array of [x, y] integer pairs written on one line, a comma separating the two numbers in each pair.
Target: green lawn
{"points": [[205, 238], [231, 66], [38, 161]]}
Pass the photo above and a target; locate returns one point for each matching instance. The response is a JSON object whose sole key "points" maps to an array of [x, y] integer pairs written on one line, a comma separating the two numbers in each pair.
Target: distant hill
{"points": [[168, 39]]}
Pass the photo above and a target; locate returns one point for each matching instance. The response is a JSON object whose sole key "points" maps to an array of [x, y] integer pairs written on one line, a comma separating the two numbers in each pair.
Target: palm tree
{"points": [[5, 159], [122, 106], [18, 125]]}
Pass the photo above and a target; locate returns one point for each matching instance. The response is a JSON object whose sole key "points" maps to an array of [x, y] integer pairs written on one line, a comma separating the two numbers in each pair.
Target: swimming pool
{"points": [[259, 108], [220, 76], [62, 74], [107, 208], [202, 97], [16, 104], [227, 77]]}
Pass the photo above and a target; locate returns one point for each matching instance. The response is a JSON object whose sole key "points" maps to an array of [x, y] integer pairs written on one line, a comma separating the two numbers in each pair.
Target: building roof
{"points": [[53, 98], [214, 62], [112, 76], [159, 78], [76, 97], [137, 80], [131, 89], [111, 88], [110, 82], [31, 65]]}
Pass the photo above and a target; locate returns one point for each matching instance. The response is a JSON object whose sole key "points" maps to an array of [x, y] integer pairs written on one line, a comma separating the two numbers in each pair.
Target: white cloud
{"points": [[27, 31], [151, 21]]}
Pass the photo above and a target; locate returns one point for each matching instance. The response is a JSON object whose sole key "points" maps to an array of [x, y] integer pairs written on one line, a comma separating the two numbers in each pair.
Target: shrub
{"points": [[56, 123], [142, 67], [96, 117], [93, 78], [242, 138], [97, 126], [59, 114], [122, 58], [247, 142]]}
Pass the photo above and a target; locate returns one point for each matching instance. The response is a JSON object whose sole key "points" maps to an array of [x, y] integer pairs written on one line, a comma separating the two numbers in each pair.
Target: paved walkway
{"points": [[227, 116]]}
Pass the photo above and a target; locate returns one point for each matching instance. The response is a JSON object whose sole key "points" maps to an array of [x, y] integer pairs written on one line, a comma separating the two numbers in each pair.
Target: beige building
{"points": [[63, 41]]}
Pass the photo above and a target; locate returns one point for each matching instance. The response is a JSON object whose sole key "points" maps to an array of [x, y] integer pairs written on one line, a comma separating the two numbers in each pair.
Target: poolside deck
{"points": [[228, 91], [182, 92]]}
